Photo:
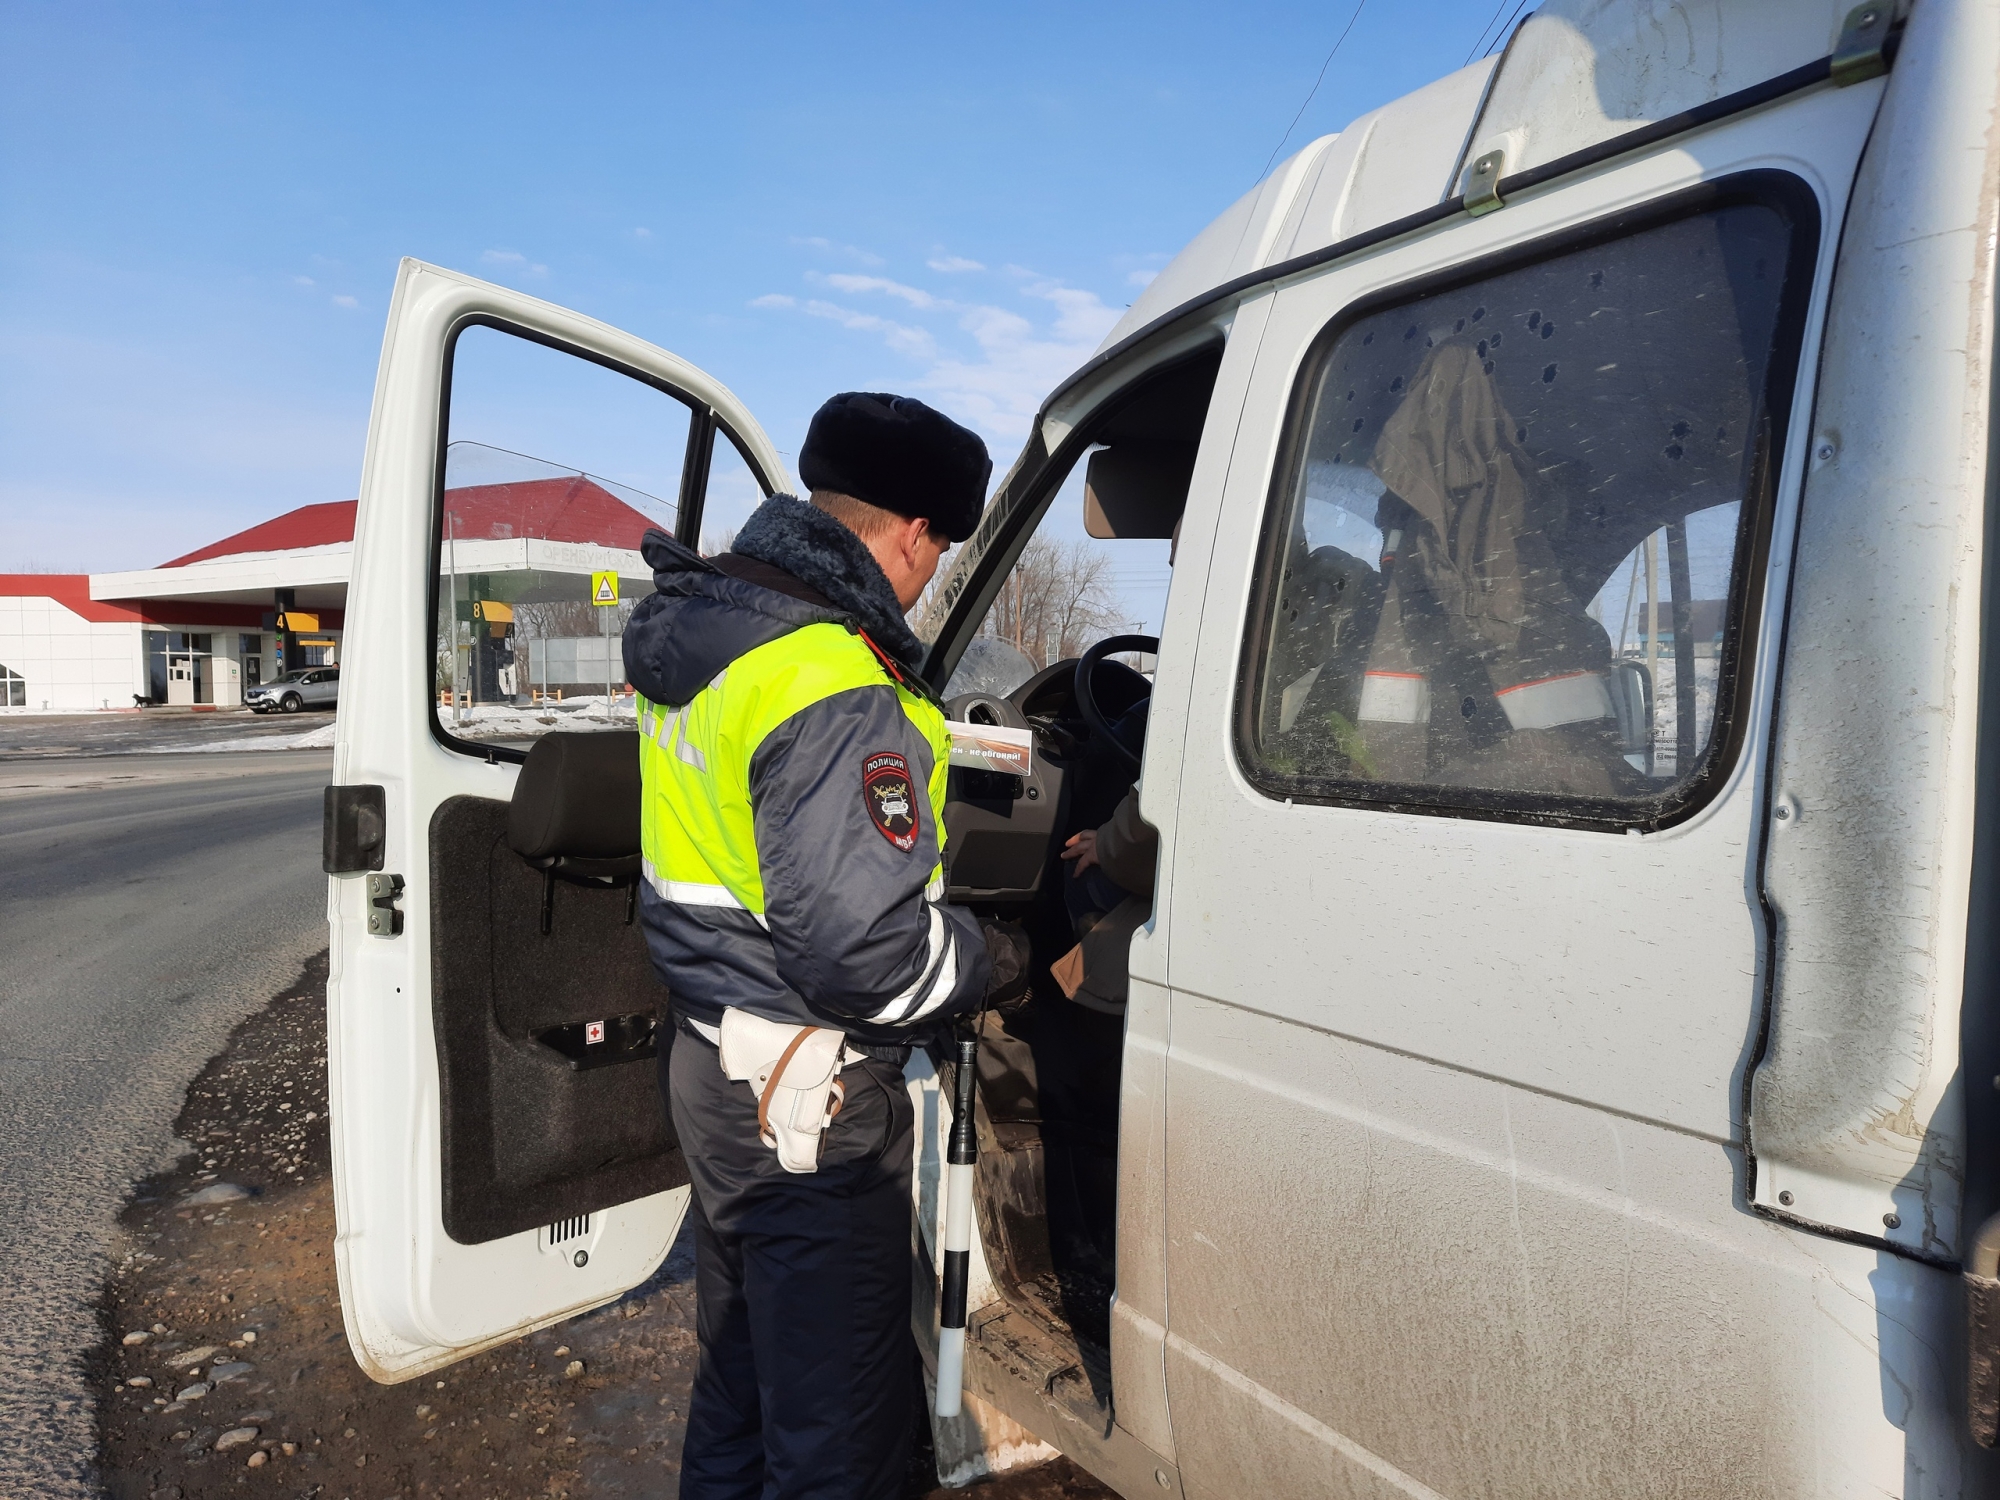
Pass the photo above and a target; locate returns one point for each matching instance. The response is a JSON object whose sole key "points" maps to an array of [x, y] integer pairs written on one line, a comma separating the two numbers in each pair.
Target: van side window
{"points": [[1517, 528]]}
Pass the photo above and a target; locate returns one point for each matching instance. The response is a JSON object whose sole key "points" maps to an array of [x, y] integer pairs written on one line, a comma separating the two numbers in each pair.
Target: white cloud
{"points": [[986, 363], [345, 302], [853, 252], [912, 295], [916, 342], [642, 233], [512, 260], [1017, 363], [1140, 278], [1080, 316], [304, 281]]}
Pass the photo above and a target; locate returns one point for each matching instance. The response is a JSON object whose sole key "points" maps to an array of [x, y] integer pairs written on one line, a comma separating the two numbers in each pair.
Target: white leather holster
{"points": [[794, 1072]]}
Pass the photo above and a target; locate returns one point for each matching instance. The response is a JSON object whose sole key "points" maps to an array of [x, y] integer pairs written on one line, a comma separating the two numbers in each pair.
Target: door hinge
{"points": [[385, 919], [1863, 49]]}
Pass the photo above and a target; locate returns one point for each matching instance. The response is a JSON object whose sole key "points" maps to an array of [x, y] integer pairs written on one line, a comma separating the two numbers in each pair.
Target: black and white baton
{"points": [[960, 1157]]}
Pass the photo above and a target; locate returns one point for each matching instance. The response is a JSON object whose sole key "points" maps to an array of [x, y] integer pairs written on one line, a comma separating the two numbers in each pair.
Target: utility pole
{"points": [[451, 523]]}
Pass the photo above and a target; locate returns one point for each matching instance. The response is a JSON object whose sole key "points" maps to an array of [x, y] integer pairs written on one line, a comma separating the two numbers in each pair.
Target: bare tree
{"points": [[1057, 600], [553, 618]]}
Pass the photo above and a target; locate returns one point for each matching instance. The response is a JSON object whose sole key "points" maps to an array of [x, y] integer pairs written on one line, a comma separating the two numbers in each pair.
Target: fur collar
{"points": [[817, 550]]}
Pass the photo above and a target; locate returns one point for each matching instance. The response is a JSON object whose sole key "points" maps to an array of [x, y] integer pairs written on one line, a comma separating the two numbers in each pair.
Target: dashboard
{"points": [[1004, 833]]}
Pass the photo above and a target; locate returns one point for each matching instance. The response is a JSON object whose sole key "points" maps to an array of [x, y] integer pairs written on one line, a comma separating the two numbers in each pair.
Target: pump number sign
{"points": [[603, 588]]}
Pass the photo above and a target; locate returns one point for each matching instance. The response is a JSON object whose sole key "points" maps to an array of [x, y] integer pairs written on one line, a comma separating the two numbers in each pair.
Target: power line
{"points": [[1315, 89], [1505, 31], [1480, 40]]}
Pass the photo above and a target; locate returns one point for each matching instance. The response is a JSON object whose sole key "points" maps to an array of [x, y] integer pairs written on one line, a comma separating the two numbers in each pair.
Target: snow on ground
{"points": [[487, 721], [495, 721], [320, 738]]}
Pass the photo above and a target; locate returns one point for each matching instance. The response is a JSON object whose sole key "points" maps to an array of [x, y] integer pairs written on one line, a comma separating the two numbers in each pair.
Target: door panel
{"points": [[529, 1139], [1459, 1031], [482, 1185]]}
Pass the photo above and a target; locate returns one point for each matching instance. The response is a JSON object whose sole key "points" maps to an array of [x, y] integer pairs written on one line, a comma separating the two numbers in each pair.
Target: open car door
{"points": [[502, 1156]]}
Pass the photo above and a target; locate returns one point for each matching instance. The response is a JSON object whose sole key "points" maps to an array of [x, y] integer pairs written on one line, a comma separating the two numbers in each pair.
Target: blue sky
{"points": [[202, 208]]}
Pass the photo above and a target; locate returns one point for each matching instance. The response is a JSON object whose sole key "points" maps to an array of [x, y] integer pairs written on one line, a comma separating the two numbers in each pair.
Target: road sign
{"points": [[603, 588]]}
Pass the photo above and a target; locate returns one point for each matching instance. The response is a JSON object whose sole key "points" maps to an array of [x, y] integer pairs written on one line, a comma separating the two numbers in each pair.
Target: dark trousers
{"points": [[802, 1287]]}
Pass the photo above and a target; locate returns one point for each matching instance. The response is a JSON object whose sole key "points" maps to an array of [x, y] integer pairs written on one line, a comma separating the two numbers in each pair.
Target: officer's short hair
{"points": [[858, 516]]}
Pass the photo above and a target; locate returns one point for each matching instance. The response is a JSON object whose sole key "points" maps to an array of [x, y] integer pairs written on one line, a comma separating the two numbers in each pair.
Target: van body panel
{"points": [[1857, 1120], [1579, 72], [1239, 239], [1504, 1293], [1139, 1309], [1390, 163]]}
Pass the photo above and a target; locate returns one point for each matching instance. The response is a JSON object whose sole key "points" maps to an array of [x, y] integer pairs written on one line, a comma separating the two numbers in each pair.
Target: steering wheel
{"points": [[1086, 700]]}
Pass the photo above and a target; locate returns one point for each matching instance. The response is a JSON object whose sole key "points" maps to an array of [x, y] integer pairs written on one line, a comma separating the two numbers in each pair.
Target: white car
{"points": [[1561, 1057], [309, 687]]}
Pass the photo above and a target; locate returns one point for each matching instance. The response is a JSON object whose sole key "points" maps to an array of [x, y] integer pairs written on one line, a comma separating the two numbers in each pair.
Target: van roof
{"points": [[1574, 75]]}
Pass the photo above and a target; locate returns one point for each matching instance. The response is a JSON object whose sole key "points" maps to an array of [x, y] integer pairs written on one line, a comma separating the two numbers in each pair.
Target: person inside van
{"points": [[1108, 885], [1468, 657]]}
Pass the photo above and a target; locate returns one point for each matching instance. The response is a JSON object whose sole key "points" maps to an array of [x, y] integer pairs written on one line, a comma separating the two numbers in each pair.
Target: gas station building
{"points": [[198, 630]]}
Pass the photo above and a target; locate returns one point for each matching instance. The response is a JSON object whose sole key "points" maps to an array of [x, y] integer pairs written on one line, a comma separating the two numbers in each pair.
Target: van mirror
{"points": [[1137, 488]]}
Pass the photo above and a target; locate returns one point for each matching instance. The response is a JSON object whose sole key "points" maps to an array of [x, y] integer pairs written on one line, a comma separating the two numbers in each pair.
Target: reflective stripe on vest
{"points": [[1573, 698], [1546, 703], [697, 829], [1395, 698]]}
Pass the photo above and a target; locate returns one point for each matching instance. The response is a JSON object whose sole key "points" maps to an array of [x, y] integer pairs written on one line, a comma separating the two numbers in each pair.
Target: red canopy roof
{"points": [[308, 526], [554, 510], [557, 510]]}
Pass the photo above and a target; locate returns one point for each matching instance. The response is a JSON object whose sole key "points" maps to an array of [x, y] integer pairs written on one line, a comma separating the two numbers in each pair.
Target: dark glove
{"points": [[1007, 948]]}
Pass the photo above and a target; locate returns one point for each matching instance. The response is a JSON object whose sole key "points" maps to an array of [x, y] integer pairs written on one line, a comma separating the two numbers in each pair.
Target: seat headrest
{"points": [[578, 797]]}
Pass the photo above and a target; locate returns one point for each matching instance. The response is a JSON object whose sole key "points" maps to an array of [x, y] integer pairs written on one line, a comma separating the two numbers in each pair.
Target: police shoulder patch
{"points": [[891, 798]]}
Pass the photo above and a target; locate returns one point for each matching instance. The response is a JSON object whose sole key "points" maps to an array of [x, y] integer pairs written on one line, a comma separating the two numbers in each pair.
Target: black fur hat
{"points": [[896, 452]]}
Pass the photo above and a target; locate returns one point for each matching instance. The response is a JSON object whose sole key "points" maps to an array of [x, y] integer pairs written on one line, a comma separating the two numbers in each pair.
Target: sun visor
{"points": [[1137, 488]]}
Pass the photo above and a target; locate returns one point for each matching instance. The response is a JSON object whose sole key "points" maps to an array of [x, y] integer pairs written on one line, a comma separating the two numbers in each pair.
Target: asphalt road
{"points": [[147, 904]]}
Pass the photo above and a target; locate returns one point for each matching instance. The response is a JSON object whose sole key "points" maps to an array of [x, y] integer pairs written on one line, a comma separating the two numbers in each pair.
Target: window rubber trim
{"points": [[1789, 195], [704, 423]]}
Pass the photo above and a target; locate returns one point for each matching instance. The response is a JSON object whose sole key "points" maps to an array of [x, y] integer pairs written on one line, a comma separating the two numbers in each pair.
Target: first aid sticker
{"points": [[593, 1033]]}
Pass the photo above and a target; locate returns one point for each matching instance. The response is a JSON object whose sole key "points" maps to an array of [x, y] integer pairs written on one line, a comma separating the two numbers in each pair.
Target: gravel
{"points": [[593, 1407]]}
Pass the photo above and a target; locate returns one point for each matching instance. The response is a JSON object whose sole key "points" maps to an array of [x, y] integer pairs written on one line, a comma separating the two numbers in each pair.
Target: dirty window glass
{"points": [[1508, 561], [554, 468]]}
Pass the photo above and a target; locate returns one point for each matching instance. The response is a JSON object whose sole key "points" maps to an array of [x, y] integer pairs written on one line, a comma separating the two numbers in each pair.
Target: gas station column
{"points": [[288, 639]]}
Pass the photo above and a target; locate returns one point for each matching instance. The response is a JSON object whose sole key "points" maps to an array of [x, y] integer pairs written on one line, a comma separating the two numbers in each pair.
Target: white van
{"points": [[1562, 1056]]}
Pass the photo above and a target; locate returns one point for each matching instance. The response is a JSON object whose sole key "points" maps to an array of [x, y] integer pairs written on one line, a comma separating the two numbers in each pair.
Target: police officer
{"points": [[794, 774]]}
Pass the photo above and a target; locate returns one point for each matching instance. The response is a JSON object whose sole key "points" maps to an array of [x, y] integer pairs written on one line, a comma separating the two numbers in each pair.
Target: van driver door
{"points": [[1468, 955], [502, 1157]]}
